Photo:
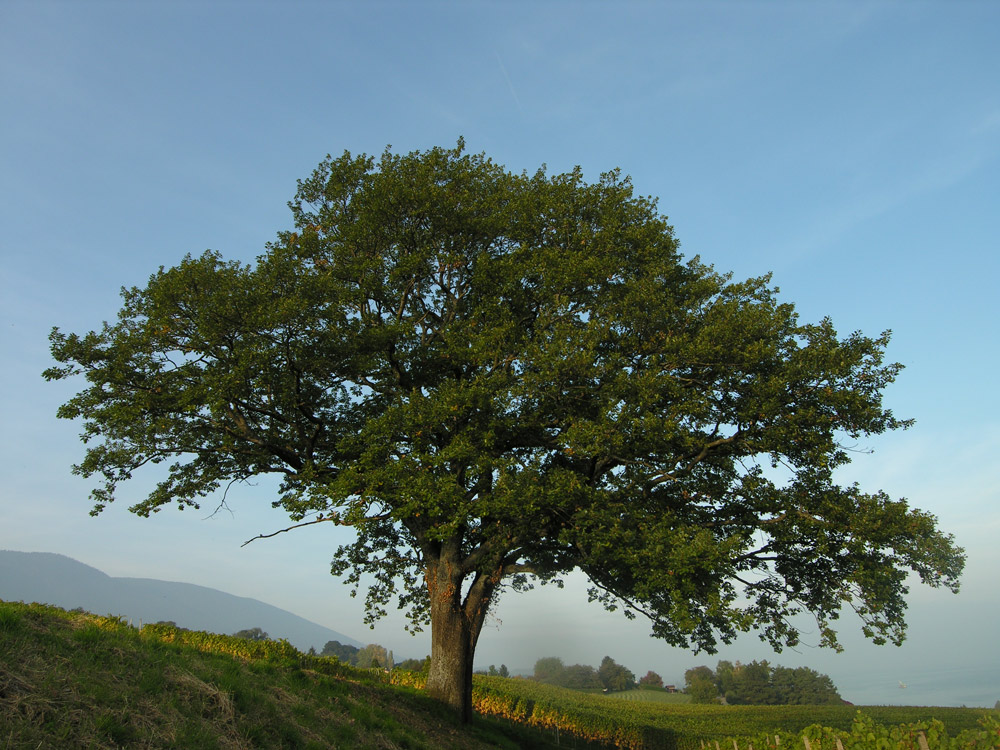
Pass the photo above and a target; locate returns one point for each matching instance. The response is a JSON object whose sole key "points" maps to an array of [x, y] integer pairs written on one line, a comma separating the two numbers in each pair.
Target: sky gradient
{"points": [[851, 149]]}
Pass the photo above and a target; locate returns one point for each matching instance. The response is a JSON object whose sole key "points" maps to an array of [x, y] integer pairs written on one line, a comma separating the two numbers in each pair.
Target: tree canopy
{"points": [[651, 679], [253, 634], [759, 683], [498, 378], [614, 676], [551, 671]]}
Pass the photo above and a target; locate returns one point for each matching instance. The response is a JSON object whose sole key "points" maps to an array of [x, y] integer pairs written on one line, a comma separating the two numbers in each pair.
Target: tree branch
{"points": [[335, 519]]}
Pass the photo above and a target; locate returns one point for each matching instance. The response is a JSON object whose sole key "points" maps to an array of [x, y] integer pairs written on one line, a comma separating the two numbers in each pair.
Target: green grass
{"points": [[76, 680]]}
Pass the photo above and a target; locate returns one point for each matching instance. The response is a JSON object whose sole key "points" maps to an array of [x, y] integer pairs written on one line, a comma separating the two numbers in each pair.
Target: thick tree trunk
{"points": [[455, 628], [452, 650]]}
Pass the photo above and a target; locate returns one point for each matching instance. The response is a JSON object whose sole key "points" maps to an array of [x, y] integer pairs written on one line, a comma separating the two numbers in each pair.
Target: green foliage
{"points": [[10, 620], [252, 634], [415, 665], [236, 646], [803, 685], [162, 687], [640, 724], [550, 670], [132, 688], [342, 651], [652, 695], [867, 734], [700, 684], [651, 679], [614, 676], [751, 685], [493, 376], [171, 623], [372, 656], [502, 672], [758, 683], [702, 691], [580, 677]]}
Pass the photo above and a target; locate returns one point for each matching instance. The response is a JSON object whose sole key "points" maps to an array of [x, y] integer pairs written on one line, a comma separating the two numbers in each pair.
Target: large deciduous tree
{"points": [[498, 378]]}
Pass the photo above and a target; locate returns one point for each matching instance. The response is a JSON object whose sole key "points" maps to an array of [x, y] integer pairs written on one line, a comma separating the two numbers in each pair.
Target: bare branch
{"points": [[334, 519]]}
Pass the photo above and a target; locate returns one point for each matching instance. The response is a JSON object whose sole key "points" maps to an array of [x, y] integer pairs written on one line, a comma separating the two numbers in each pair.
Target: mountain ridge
{"points": [[59, 580]]}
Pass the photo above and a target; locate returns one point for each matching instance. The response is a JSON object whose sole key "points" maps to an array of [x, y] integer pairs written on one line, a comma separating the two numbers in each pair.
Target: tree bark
{"points": [[455, 627]]}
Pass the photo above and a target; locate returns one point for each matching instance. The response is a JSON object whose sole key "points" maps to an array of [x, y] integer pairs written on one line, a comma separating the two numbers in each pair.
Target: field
{"points": [[641, 724], [78, 680], [651, 696]]}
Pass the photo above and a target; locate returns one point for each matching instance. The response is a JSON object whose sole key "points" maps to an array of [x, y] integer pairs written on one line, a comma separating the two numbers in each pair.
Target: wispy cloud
{"points": [[510, 85]]}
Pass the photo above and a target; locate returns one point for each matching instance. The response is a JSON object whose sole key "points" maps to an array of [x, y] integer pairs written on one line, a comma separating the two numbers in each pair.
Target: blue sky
{"points": [[851, 148]]}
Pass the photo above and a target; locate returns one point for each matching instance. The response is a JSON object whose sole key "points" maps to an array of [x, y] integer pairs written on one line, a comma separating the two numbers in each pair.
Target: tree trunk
{"points": [[452, 650], [455, 628]]}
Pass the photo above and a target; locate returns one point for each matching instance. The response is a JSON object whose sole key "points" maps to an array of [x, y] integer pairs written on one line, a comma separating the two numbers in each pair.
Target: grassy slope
{"points": [[77, 680]]}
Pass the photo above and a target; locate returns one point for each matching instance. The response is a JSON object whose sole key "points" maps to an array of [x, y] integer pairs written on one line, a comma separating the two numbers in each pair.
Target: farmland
{"points": [[643, 724]]}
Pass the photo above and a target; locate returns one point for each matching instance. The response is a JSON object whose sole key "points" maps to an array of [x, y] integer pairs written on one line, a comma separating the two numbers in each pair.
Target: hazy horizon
{"points": [[971, 687], [851, 149]]}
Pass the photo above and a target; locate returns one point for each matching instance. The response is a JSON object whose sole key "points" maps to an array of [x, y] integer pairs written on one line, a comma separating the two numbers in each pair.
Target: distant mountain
{"points": [[61, 581]]}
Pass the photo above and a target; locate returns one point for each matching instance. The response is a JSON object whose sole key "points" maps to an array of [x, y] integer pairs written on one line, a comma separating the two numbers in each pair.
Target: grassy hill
{"points": [[75, 680]]}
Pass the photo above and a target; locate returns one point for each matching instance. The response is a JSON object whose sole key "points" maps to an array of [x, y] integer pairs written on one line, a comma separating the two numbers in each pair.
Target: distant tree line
{"points": [[758, 683], [372, 656], [610, 676], [252, 634], [494, 672]]}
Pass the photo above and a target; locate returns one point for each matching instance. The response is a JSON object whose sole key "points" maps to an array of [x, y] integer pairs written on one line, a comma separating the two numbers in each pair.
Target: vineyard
{"points": [[575, 719], [640, 724]]}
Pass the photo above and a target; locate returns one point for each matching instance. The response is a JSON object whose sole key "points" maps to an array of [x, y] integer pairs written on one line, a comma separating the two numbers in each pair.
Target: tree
{"points": [[549, 669], [252, 634], [751, 685], [651, 679], [580, 677], [171, 623], [758, 683], [342, 651], [803, 686], [415, 665], [504, 672], [372, 656], [699, 683], [614, 676], [724, 676], [499, 378]]}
